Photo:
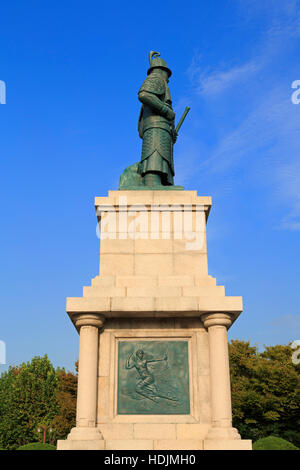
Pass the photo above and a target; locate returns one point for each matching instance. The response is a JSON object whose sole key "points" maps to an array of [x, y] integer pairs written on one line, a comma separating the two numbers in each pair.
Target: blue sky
{"points": [[69, 128]]}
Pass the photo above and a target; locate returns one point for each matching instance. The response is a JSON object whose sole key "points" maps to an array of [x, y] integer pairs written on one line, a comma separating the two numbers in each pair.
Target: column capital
{"points": [[217, 319], [89, 319]]}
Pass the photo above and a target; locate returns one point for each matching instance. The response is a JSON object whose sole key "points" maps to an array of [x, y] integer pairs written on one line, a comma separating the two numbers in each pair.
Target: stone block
{"points": [[174, 197], [205, 410], [154, 431], [80, 445], [103, 281], [154, 292], [224, 444], [153, 264], [203, 353], [178, 444], [129, 444], [206, 291], [85, 304], [116, 264], [116, 246], [196, 244], [104, 291], [104, 200], [104, 354], [116, 431], [153, 246], [205, 281], [176, 281], [103, 415], [192, 431], [132, 197], [220, 304], [176, 304], [136, 281], [132, 304], [190, 263]]}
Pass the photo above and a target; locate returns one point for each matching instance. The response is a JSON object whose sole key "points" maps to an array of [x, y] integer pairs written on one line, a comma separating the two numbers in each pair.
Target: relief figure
{"points": [[146, 384]]}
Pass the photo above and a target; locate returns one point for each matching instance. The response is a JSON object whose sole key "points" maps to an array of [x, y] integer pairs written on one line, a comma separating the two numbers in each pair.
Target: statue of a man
{"points": [[156, 125]]}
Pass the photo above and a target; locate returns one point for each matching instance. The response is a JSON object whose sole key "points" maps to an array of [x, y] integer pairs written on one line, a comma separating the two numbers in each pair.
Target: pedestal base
{"points": [[160, 444]]}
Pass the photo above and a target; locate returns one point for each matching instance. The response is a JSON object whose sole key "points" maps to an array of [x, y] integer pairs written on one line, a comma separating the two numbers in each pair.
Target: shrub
{"points": [[273, 443]]}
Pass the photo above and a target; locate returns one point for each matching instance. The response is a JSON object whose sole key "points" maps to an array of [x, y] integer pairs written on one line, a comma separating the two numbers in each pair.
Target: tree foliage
{"points": [[66, 394], [265, 391], [27, 399], [265, 397], [35, 394]]}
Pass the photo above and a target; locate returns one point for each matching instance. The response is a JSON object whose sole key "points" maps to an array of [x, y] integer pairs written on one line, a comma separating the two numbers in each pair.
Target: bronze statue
{"points": [[156, 127]]}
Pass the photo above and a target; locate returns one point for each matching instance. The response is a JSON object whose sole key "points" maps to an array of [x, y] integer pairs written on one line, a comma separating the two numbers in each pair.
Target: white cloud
{"points": [[282, 26], [216, 82], [273, 122], [267, 139]]}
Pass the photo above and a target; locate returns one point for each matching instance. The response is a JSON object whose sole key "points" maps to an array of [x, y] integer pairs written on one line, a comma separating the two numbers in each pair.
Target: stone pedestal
{"points": [[153, 356]]}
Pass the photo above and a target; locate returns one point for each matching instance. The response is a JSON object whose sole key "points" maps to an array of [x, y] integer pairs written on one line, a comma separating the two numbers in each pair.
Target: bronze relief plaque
{"points": [[153, 378]]}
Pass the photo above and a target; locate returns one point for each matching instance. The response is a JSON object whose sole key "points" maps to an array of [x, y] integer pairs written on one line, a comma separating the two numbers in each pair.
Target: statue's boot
{"points": [[152, 179]]}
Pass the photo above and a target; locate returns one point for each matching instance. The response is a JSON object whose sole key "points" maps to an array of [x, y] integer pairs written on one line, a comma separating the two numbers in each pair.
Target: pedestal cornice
{"points": [[141, 307], [120, 201]]}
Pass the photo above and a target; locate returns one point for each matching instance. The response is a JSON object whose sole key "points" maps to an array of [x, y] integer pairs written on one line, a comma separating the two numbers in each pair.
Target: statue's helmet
{"points": [[156, 63]]}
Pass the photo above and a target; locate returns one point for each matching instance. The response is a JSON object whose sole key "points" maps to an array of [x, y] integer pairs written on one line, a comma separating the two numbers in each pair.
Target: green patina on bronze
{"points": [[156, 128], [153, 378]]}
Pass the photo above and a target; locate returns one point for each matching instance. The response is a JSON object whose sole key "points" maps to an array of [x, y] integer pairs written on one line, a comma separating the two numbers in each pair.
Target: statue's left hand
{"points": [[169, 113]]}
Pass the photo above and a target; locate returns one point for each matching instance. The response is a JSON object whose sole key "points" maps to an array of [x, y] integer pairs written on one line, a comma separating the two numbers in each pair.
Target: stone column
{"points": [[217, 325], [88, 326]]}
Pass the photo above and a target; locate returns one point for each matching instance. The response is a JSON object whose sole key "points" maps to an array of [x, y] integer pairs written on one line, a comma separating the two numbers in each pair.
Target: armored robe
{"points": [[156, 130]]}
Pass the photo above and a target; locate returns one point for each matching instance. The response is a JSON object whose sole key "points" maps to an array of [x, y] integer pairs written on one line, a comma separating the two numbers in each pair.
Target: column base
{"points": [[223, 433], [82, 438], [227, 444]]}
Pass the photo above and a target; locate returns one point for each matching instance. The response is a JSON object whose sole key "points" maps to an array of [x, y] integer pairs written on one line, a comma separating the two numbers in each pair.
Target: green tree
{"points": [[28, 397], [265, 391], [66, 395]]}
